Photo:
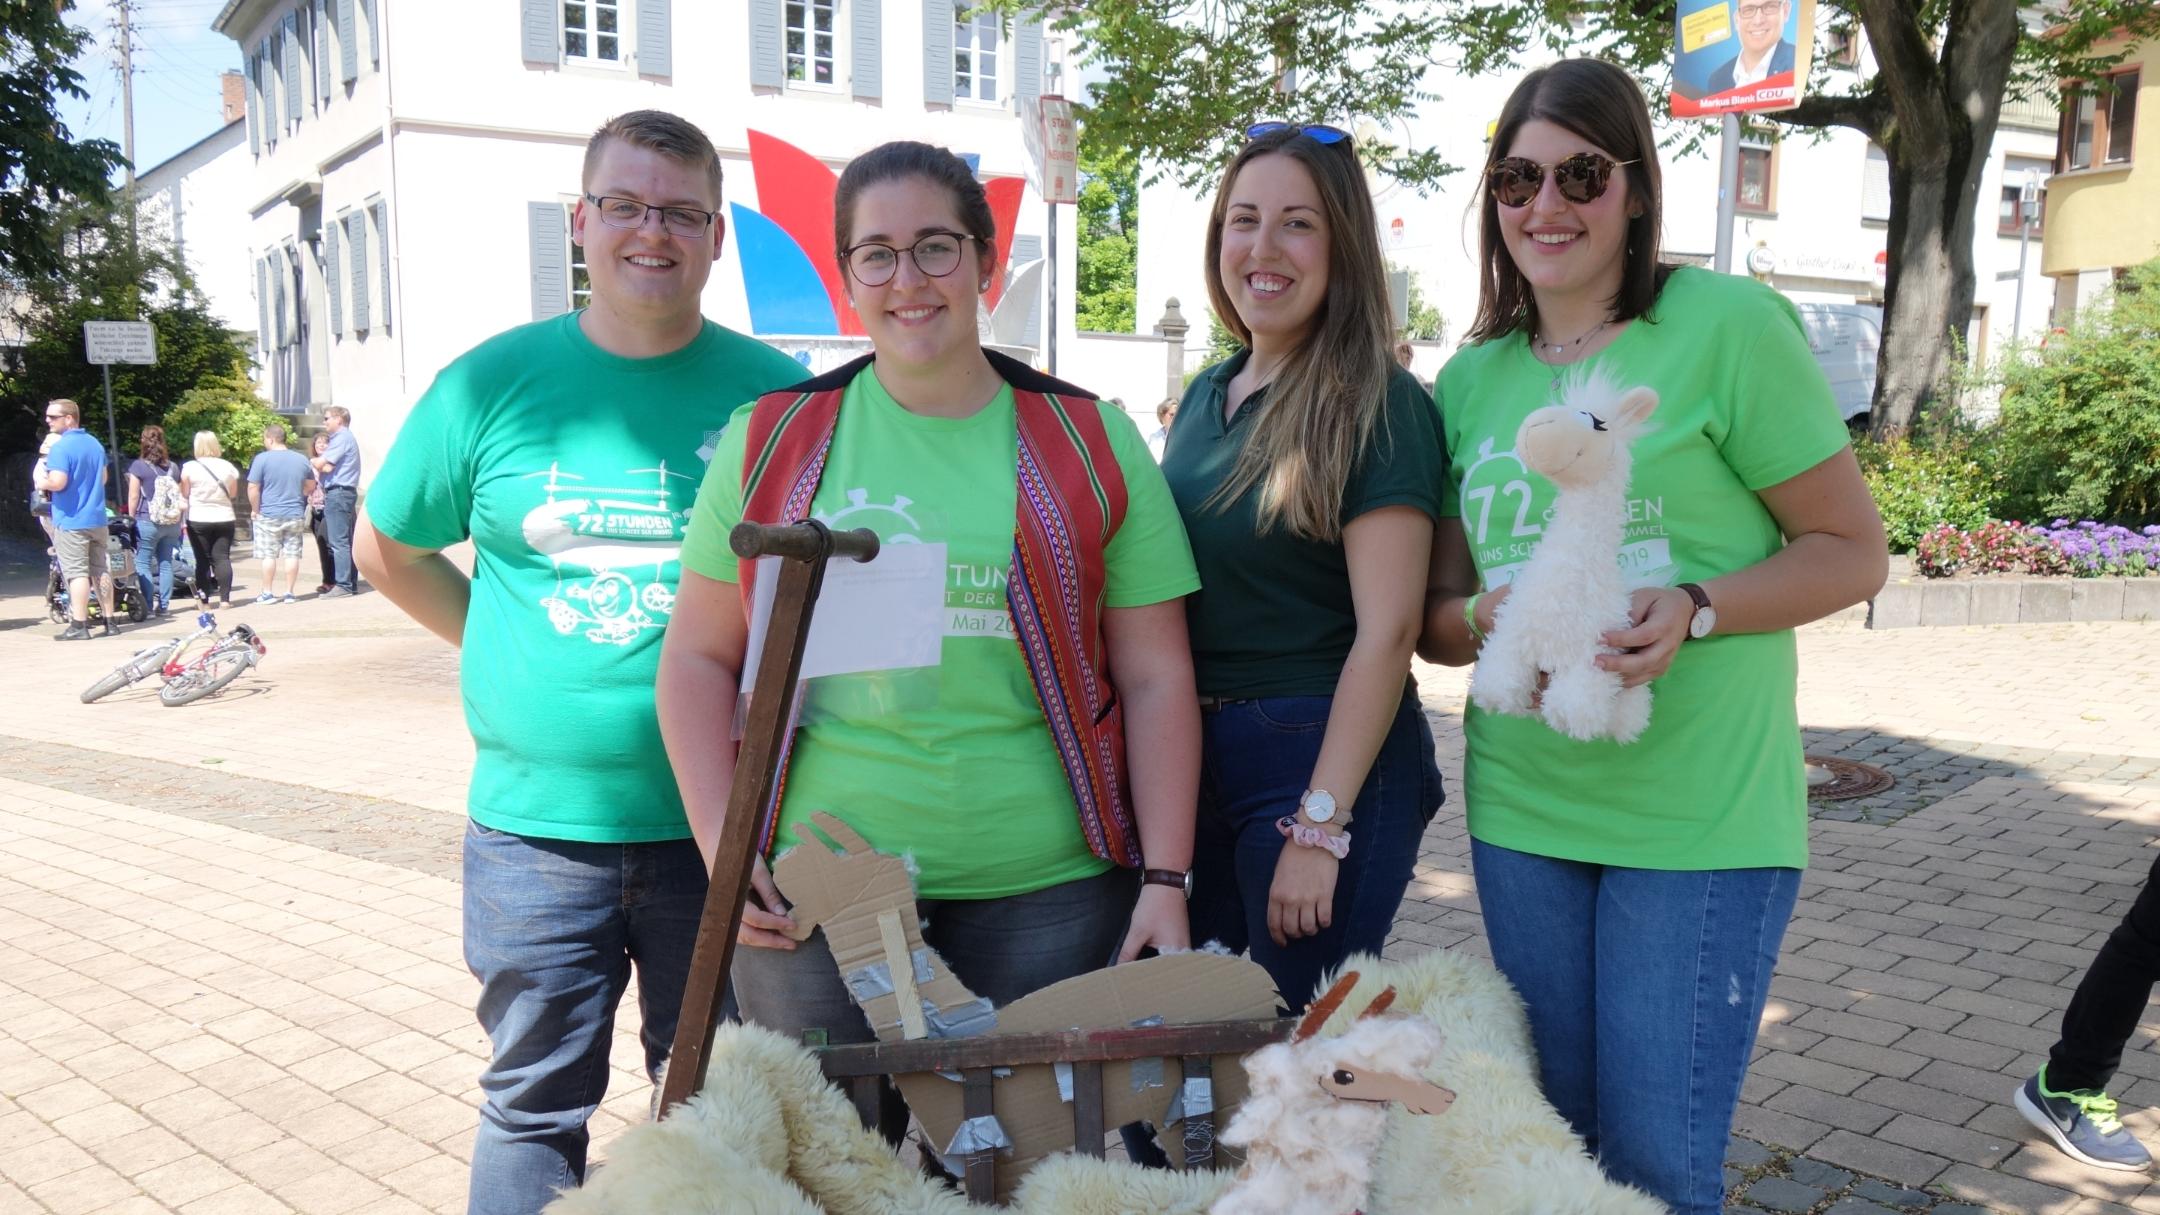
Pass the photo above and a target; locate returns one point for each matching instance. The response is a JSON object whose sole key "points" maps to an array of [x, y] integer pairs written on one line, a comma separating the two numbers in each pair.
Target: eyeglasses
{"points": [[1316, 132], [873, 263], [1581, 178], [630, 213], [54, 417], [1756, 12]]}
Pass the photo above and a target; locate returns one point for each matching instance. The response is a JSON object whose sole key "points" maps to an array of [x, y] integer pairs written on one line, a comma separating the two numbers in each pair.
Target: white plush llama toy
{"points": [[1318, 1108], [1571, 592]]}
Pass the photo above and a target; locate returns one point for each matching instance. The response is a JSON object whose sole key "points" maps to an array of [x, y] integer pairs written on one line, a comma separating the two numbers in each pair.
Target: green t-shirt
{"points": [[1274, 615], [1716, 781], [571, 470], [952, 764]]}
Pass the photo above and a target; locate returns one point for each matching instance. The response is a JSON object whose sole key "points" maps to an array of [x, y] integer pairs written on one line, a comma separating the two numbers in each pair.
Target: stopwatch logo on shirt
{"points": [[974, 593], [1505, 508], [611, 542]]}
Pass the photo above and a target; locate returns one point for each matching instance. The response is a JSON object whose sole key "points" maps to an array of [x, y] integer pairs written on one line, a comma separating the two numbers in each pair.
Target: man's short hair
{"points": [[339, 412], [672, 136], [274, 433], [66, 406]]}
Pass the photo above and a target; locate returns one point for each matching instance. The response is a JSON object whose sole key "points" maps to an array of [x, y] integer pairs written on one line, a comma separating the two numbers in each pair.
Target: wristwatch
{"points": [[1180, 878], [1318, 806], [1705, 617]]}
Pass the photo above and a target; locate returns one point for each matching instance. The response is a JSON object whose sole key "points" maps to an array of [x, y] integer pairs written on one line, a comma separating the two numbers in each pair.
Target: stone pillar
{"points": [[1171, 329]]}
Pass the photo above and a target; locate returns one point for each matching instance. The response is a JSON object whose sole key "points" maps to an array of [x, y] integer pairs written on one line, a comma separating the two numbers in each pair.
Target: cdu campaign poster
{"points": [[1731, 56]]}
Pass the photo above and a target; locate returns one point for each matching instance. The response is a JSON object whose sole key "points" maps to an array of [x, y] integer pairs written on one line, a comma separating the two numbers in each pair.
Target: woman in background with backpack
{"points": [[158, 508], [209, 482]]}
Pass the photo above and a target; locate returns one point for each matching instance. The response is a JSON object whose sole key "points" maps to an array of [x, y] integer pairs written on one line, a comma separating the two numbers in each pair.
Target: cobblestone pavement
{"points": [[231, 981]]}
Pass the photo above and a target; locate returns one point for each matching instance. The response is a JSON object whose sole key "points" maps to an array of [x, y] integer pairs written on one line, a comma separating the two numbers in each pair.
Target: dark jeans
{"points": [[319, 523], [1257, 759], [998, 948], [2109, 999], [553, 930], [341, 506], [212, 543]]}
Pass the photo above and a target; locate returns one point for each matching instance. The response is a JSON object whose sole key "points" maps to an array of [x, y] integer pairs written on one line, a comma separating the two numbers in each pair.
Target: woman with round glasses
{"points": [[1000, 769], [1308, 469], [1636, 895]]}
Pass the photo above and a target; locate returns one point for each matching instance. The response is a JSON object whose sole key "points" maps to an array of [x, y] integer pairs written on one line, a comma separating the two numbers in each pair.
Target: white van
{"points": [[1845, 338]]}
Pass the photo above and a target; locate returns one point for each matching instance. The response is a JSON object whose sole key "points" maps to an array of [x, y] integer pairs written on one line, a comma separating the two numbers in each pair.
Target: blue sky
{"points": [[177, 61]]}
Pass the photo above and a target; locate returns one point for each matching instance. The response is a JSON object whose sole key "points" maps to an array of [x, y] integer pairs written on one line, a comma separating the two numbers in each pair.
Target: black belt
{"points": [[1215, 704]]}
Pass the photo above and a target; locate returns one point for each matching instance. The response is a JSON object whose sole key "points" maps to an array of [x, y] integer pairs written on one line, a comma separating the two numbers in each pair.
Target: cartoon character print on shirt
{"points": [[1505, 508], [611, 539]]}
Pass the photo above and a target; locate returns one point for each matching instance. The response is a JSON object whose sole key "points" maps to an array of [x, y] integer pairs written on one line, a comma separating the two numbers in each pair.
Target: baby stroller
{"points": [[119, 560]]}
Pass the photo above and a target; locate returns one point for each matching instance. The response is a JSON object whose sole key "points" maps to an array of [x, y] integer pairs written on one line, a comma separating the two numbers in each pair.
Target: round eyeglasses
{"points": [[937, 254], [1581, 178], [617, 212]]}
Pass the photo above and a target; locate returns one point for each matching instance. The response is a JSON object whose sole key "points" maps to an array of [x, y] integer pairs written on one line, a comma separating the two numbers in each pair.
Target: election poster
{"points": [[1734, 56]]}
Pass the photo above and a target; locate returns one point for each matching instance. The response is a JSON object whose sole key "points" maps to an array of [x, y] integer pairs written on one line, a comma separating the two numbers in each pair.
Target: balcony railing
{"points": [[2040, 113]]}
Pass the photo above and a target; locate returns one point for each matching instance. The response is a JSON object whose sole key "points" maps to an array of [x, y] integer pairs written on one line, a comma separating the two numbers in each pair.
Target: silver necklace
{"points": [[1556, 348]]}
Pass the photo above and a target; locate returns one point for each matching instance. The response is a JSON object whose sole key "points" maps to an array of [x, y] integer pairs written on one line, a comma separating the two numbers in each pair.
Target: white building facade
{"points": [[409, 166]]}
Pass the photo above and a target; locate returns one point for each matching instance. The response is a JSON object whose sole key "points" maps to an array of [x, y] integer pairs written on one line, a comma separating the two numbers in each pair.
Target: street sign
{"points": [[1053, 147], [119, 342]]}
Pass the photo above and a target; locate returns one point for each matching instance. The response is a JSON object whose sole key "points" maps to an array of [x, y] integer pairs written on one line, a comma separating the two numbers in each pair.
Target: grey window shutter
{"points": [[322, 51], [262, 306], [266, 84], [1026, 249], [655, 38], [1027, 61], [539, 32], [348, 40], [866, 49], [254, 112], [292, 67], [298, 280], [374, 34], [333, 286], [356, 249], [550, 260], [766, 71], [381, 211], [274, 266], [937, 35]]}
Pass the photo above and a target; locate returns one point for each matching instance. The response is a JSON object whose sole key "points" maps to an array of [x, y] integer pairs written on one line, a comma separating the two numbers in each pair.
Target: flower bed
{"points": [[2080, 549]]}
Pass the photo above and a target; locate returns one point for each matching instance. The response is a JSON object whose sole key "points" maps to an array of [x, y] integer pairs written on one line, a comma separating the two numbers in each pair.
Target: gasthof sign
{"points": [[119, 342]]}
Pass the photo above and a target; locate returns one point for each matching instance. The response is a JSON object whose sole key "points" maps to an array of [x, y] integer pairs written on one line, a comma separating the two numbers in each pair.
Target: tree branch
{"points": [[1862, 112]]}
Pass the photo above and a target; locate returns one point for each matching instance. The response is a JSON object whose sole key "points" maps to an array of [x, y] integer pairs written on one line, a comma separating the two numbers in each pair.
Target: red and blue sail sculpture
{"points": [[790, 277]]}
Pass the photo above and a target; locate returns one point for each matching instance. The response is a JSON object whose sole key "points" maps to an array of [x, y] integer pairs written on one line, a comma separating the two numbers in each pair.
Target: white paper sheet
{"points": [[884, 615]]}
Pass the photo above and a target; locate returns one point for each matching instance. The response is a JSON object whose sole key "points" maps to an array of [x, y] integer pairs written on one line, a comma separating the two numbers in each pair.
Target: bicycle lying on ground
{"points": [[228, 656]]}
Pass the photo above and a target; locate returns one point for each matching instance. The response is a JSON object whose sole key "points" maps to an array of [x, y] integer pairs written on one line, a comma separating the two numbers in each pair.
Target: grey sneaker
{"points": [[2083, 1124]]}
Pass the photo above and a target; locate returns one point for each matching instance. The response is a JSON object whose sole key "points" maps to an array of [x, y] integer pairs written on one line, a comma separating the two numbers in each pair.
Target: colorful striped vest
{"points": [[1071, 502]]}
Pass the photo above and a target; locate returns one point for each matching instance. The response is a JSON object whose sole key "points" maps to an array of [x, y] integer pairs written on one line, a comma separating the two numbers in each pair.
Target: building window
{"points": [[813, 40], [1842, 45], [2097, 128], [1758, 180], [592, 31], [580, 278], [975, 55], [1875, 186], [2015, 169]]}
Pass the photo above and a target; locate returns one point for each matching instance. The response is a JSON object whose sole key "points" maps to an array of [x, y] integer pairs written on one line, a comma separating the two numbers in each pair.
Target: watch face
{"points": [[1319, 805], [1705, 620]]}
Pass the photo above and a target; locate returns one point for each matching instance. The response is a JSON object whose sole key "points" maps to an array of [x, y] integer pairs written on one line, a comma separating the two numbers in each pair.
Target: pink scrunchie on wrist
{"points": [[1309, 836]]}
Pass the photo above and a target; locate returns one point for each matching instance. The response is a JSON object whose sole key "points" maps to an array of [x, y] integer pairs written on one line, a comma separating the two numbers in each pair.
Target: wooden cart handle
{"points": [[808, 541]]}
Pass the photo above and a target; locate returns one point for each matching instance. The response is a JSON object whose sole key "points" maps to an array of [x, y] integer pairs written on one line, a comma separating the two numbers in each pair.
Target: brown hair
{"points": [[66, 406], [153, 446], [1604, 105], [672, 136], [1331, 393], [906, 158]]}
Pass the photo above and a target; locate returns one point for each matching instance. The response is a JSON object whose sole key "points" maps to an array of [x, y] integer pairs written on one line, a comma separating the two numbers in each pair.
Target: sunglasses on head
{"points": [[1316, 132], [1581, 178]]}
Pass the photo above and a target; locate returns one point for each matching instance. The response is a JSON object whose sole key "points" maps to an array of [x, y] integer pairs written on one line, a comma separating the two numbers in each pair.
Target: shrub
{"points": [[1918, 486], [2079, 434], [228, 408]]}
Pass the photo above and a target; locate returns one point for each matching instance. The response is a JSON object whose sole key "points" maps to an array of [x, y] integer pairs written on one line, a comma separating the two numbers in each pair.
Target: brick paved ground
{"points": [[230, 978]]}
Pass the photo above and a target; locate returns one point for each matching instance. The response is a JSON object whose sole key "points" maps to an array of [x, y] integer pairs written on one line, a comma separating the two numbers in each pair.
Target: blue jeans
{"points": [[1257, 760], [155, 544], [553, 929], [341, 506], [1645, 988]]}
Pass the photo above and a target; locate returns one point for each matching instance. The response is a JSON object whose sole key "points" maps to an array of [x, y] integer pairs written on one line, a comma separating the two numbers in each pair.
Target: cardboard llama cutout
{"points": [[1571, 591]]}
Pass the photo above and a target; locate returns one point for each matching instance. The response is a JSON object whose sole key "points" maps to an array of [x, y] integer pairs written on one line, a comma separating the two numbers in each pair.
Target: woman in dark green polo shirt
{"points": [[1308, 469]]}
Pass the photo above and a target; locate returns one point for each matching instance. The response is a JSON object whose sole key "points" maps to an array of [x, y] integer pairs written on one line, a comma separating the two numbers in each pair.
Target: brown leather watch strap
{"points": [[1180, 878]]}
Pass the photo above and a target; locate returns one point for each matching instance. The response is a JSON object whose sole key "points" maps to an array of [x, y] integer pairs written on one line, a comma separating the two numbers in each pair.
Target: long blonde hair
{"points": [[1330, 396]]}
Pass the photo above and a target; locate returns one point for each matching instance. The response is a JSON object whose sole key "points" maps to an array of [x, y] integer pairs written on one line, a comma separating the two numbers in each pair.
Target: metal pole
{"points": [[2028, 199], [1050, 322], [1728, 190], [127, 111], [112, 436]]}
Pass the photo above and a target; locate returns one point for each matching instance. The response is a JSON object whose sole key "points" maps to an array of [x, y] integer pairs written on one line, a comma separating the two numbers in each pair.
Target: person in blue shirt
{"points": [[279, 483], [339, 467], [75, 477]]}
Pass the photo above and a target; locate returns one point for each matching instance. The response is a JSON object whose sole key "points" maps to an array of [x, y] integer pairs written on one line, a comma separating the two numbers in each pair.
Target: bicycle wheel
{"points": [[208, 676], [144, 662]]}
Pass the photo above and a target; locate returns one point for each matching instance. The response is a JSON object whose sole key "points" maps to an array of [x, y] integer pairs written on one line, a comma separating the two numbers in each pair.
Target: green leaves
{"points": [[41, 165]]}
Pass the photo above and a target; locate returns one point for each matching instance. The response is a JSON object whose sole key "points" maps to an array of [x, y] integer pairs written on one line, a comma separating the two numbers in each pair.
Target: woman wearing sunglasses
{"points": [[1309, 471], [1001, 770], [1636, 895]]}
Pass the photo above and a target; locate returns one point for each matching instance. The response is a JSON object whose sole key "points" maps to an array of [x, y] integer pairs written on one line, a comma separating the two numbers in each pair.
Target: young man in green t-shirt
{"points": [[569, 452]]}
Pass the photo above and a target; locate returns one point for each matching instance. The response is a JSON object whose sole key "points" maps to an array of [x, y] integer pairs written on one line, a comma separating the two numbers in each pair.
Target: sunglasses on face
{"points": [[1581, 178], [1316, 132]]}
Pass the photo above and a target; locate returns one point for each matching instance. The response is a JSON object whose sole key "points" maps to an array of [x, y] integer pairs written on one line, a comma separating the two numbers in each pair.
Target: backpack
{"points": [[166, 504]]}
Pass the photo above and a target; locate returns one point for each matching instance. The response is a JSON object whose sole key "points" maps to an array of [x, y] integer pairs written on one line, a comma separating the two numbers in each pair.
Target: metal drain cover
{"points": [[1849, 779]]}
